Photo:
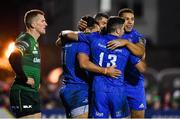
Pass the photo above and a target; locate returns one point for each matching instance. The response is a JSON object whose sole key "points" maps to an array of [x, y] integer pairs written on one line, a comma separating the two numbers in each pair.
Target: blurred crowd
{"points": [[163, 89]]}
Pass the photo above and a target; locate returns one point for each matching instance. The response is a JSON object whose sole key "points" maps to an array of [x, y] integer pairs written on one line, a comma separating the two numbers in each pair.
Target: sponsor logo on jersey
{"points": [[101, 45], [35, 51], [27, 106], [85, 101], [36, 60], [35, 48], [141, 106], [15, 107], [68, 45], [118, 114], [142, 41], [99, 114], [118, 50]]}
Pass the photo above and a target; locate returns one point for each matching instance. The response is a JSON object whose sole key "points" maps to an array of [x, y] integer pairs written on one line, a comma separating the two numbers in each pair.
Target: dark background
{"points": [[158, 20]]}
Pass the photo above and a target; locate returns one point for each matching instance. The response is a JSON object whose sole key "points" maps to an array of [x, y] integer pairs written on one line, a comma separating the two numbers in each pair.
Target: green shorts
{"points": [[24, 102]]}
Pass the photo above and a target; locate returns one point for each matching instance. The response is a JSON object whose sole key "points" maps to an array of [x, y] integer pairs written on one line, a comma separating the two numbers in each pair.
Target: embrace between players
{"points": [[103, 65]]}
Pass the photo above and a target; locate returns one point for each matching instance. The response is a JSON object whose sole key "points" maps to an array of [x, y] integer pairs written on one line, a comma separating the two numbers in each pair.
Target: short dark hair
{"points": [[113, 22], [90, 21], [125, 10], [99, 16], [29, 15]]}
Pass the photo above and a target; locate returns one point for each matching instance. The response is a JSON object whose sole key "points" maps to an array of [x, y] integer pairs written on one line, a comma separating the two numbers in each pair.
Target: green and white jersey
{"points": [[30, 60]]}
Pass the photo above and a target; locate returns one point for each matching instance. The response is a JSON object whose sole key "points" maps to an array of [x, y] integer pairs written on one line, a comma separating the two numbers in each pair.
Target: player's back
{"points": [[71, 71], [108, 94], [104, 57]]}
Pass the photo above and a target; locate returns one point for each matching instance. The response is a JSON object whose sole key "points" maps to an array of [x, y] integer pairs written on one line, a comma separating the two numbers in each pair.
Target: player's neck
{"points": [[33, 33], [114, 34]]}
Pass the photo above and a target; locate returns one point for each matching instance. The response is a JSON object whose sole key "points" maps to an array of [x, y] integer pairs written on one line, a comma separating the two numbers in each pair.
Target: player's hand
{"points": [[82, 25], [113, 72], [116, 43], [58, 41], [30, 81], [143, 57]]}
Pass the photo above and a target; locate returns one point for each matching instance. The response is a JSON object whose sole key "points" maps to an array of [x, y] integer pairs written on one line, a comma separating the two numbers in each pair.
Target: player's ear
{"points": [[118, 30], [32, 25]]}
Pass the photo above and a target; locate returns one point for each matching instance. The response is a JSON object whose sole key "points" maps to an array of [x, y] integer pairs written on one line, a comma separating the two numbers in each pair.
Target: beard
{"points": [[103, 31], [127, 30]]}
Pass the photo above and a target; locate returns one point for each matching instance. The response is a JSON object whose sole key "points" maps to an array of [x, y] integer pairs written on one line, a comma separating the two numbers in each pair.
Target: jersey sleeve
{"points": [[139, 38], [134, 59], [23, 45], [142, 40], [88, 37], [83, 37], [84, 48]]}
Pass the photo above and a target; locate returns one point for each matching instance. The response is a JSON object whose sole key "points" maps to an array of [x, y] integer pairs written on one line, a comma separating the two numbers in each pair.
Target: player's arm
{"points": [[141, 66], [137, 49], [67, 35], [70, 35], [138, 63], [16, 64], [15, 59], [85, 63]]}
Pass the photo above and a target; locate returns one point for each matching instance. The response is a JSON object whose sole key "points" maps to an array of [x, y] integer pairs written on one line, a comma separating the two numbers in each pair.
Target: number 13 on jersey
{"points": [[111, 59]]}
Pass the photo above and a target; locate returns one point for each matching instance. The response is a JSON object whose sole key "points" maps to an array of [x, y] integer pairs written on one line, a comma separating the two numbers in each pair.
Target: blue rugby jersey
{"points": [[71, 71], [104, 57], [132, 75]]}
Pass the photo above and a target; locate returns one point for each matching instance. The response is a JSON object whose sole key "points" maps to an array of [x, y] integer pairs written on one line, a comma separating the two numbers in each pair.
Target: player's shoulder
{"points": [[111, 37], [23, 37], [95, 34], [136, 33], [82, 44], [88, 34], [140, 37], [23, 42]]}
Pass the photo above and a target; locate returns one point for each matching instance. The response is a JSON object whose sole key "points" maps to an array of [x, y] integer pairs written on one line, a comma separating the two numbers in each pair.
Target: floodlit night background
{"points": [[158, 20]]}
